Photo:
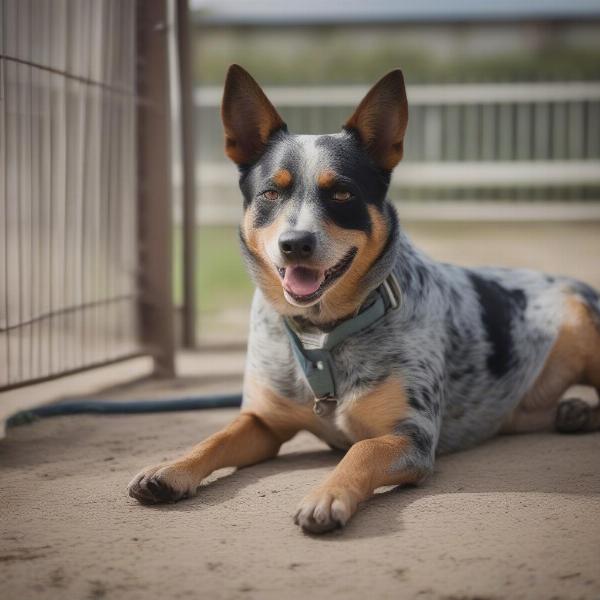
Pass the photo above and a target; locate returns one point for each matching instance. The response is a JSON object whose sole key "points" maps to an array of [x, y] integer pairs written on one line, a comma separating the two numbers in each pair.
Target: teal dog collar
{"points": [[313, 351]]}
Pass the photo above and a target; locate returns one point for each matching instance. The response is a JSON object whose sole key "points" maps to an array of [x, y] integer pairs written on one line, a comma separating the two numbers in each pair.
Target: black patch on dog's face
{"points": [[343, 154], [500, 308], [256, 180], [367, 183]]}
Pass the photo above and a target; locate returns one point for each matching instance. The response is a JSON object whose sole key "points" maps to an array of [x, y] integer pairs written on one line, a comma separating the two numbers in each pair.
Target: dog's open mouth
{"points": [[305, 284]]}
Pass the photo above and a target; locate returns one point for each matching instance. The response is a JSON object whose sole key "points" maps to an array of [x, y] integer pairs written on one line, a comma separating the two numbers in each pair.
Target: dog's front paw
{"points": [[325, 509], [164, 483]]}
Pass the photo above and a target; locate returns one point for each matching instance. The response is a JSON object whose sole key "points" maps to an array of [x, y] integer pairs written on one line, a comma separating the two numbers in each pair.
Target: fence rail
{"points": [[430, 94], [521, 141]]}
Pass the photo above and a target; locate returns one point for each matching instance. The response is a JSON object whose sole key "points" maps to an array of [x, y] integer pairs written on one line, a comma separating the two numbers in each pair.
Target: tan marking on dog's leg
{"points": [[376, 413], [249, 439], [580, 343], [368, 465], [574, 359]]}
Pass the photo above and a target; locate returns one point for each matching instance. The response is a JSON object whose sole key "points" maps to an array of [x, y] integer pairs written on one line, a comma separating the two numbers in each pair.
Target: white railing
{"points": [[467, 93], [467, 142]]}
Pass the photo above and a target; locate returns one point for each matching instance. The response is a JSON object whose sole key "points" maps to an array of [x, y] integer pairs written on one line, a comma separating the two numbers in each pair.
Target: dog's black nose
{"points": [[297, 245]]}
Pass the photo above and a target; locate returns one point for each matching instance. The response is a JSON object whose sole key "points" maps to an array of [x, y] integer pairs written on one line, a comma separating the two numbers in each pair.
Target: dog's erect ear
{"points": [[248, 117], [380, 120]]}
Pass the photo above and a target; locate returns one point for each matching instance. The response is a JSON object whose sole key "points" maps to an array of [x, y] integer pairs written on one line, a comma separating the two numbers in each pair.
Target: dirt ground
{"points": [[518, 517]]}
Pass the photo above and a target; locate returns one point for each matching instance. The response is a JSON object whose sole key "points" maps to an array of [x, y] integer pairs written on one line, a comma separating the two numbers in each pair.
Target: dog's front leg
{"points": [[246, 441], [369, 464]]}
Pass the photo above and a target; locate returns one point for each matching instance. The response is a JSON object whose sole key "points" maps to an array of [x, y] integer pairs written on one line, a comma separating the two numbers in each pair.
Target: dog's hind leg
{"points": [[574, 359], [583, 344], [394, 459]]}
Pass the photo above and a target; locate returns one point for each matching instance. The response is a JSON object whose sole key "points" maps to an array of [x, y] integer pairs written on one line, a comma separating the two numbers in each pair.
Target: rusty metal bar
{"points": [[154, 186], [184, 47]]}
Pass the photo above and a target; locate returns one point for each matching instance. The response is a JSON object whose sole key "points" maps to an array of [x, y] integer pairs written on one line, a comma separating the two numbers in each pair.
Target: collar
{"points": [[313, 351]]}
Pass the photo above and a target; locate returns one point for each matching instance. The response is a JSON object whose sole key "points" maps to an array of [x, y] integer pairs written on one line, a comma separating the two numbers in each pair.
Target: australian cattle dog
{"points": [[362, 339]]}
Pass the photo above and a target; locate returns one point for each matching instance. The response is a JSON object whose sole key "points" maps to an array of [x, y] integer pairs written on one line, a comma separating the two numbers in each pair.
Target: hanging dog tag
{"points": [[324, 407]]}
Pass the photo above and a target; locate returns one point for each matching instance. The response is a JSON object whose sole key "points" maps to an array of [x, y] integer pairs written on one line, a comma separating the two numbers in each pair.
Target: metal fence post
{"points": [[154, 186], [185, 46]]}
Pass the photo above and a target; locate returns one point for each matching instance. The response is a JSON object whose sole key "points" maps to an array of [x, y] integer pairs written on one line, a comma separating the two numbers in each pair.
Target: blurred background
{"points": [[502, 155], [121, 281], [119, 210]]}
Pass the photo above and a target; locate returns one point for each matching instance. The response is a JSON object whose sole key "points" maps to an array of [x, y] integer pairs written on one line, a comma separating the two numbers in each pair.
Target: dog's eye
{"points": [[341, 196], [271, 195]]}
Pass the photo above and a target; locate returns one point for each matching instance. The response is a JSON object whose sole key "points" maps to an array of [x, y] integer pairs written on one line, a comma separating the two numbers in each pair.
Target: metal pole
{"points": [[154, 186], [184, 46]]}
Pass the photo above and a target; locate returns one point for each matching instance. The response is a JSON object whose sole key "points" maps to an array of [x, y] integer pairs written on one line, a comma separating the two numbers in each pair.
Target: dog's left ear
{"points": [[248, 116], [381, 118]]}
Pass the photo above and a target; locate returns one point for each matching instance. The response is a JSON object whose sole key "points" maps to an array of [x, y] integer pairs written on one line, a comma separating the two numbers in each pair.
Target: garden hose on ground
{"points": [[131, 407]]}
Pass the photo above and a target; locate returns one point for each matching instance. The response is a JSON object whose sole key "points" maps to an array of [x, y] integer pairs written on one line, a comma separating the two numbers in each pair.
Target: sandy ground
{"points": [[518, 517]]}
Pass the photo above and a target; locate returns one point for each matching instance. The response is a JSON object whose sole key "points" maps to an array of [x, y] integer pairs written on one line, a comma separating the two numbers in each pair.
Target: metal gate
{"points": [[85, 246]]}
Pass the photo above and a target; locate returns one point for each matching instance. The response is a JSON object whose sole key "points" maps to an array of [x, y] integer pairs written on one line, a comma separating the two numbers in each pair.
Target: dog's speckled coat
{"points": [[468, 353], [465, 364]]}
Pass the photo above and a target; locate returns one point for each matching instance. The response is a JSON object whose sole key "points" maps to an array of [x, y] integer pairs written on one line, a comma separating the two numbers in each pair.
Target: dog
{"points": [[363, 340]]}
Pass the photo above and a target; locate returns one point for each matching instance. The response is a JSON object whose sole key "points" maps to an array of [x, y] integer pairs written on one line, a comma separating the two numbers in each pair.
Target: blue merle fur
{"points": [[466, 343]]}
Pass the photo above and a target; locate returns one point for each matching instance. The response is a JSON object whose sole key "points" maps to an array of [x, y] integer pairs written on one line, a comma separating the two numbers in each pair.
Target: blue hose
{"points": [[113, 407]]}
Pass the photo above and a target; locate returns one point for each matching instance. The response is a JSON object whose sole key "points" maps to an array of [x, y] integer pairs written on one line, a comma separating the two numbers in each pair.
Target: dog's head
{"points": [[316, 217]]}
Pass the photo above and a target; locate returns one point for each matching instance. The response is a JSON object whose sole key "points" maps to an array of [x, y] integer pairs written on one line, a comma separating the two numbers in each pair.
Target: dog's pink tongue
{"points": [[302, 281]]}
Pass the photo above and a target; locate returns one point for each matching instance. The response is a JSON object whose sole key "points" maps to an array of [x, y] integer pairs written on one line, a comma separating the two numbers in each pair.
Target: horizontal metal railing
{"points": [[522, 141], [431, 94]]}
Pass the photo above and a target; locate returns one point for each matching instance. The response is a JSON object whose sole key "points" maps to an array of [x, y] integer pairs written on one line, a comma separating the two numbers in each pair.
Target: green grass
{"points": [[221, 279]]}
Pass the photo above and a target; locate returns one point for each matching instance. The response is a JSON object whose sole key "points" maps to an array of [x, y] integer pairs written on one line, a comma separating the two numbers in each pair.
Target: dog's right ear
{"points": [[248, 116]]}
